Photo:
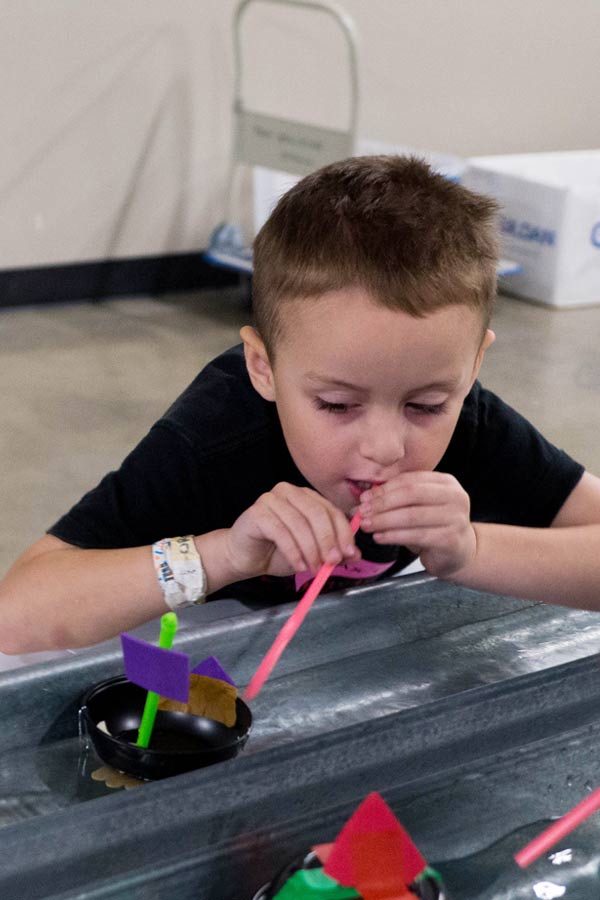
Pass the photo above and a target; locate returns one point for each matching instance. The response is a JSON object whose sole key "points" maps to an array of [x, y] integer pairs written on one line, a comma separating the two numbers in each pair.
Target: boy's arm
{"points": [[560, 564], [57, 595]]}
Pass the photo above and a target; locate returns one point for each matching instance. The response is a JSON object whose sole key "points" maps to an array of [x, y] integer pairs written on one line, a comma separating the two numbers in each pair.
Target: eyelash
{"points": [[341, 408], [337, 408], [433, 410]]}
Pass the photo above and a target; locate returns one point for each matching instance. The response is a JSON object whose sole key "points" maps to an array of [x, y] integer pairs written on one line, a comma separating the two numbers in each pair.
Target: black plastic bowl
{"points": [[179, 742]]}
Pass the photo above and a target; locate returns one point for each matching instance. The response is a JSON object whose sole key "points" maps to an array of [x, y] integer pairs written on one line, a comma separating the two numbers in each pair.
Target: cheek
{"points": [[432, 444], [325, 446]]}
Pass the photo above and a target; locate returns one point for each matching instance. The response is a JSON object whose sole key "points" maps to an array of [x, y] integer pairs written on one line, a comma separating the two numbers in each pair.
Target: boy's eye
{"points": [[331, 407], [428, 409]]}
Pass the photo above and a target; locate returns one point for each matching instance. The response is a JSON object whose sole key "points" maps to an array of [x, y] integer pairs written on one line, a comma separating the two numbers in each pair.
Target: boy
{"points": [[373, 289]]}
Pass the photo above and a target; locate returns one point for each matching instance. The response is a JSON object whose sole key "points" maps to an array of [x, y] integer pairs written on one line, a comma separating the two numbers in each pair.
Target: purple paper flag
{"points": [[211, 668], [167, 672]]}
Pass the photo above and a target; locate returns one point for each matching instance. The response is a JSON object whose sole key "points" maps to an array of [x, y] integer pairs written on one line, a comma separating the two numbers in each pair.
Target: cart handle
{"points": [[342, 19]]}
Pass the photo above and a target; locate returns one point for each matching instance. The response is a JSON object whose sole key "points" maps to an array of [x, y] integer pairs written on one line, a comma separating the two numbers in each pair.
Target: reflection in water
{"points": [[547, 890], [24, 805], [570, 870], [49, 777], [114, 779], [44, 780]]}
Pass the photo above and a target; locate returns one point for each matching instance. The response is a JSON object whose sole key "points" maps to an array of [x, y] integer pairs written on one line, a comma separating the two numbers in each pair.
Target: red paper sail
{"points": [[374, 854], [323, 852], [379, 867]]}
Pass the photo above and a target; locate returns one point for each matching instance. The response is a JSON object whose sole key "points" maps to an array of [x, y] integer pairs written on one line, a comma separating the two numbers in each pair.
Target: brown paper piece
{"points": [[209, 697], [114, 779]]}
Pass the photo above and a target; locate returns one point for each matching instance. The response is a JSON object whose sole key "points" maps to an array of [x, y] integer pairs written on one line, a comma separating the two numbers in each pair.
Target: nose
{"points": [[383, 440]]}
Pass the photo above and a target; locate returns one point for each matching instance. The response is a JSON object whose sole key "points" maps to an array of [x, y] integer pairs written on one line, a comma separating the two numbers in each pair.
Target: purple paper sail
{"points": [[212, 668], [166, 672]]}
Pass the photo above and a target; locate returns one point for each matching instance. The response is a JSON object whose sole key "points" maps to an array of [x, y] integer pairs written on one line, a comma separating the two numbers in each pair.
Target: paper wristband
{"points": [[179, 571]]}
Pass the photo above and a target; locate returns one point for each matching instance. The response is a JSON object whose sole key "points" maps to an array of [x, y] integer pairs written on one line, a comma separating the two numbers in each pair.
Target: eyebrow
{"points": [[325, 379], [448, 385]]}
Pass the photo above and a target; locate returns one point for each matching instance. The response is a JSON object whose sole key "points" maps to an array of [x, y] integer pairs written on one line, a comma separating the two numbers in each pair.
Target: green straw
{"points": [[168, 627]]}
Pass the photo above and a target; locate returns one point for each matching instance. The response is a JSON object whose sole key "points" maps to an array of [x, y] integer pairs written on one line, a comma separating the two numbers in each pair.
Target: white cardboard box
{"points": [[550, 221]]}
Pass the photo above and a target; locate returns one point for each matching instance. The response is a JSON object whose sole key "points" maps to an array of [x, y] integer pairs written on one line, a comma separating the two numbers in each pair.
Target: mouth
{"points": [[358, 487]]}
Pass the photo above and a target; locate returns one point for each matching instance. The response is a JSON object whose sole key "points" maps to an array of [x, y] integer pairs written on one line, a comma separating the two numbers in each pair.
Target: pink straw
{"points": [[292, 625], [558, 830]]}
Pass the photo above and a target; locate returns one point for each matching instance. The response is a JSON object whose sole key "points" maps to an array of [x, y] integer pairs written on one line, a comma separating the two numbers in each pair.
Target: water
{"points": [[57, 774], [51, 776], [62, 771], [570, 870]]}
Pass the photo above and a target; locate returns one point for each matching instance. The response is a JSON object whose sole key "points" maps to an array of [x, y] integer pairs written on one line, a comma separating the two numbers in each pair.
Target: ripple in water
{"points": [[571, 869], [25, 805]]}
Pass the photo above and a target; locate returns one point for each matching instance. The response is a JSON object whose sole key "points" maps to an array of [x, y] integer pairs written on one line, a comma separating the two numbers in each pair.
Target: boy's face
{"points": [[364, 393]]}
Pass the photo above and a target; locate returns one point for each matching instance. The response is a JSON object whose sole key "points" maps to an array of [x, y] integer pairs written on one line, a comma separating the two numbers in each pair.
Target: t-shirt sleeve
{"points": [[147, 498], [512, 473]]}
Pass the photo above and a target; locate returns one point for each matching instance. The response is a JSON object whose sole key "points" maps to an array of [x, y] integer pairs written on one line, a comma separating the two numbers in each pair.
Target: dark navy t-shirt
{"points": [[220, 446]]}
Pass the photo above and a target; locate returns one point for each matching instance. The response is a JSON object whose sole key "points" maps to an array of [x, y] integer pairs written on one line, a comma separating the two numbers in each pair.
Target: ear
{"points": [[257, 362], [488, 339]]}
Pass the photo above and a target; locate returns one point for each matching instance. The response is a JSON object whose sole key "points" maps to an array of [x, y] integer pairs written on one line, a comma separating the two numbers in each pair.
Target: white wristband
{"points": [[180, 572]]}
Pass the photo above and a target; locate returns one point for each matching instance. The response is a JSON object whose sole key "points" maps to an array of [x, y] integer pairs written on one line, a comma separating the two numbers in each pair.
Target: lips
{"points": [[359, 486]]}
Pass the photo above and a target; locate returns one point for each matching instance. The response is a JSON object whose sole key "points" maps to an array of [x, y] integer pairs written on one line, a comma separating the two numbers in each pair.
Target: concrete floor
{"points": [[83, 382]]}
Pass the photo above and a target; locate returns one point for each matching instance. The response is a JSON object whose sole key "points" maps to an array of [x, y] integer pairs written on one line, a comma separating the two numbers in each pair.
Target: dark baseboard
{"points": [[111, 278]]}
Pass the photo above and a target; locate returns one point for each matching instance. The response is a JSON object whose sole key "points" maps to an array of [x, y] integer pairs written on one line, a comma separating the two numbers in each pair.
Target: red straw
{"points": [[558, 830], [292, 625]]}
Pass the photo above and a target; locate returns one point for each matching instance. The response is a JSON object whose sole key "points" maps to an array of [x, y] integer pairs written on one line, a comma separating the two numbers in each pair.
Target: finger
{"points": [[288, 524], [404, 481], [345, 538], [296, 521], [330, 528], [274, 530], [407, 517], [417, 539], [410, 493]]}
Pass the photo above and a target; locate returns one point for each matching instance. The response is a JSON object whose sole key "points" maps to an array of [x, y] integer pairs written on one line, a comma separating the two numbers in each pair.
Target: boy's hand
{"points": [[289, 529], [428, 512]]}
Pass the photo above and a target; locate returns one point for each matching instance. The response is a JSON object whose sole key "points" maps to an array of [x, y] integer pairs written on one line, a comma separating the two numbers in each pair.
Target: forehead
{"points": [[346, 331]]}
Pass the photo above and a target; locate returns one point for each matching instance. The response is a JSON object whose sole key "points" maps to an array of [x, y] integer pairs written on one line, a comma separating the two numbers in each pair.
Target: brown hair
{"points": [[411, 238]]}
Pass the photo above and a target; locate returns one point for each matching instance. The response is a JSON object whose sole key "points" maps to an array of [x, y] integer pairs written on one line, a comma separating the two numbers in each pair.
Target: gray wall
{"points": [[116, 114]]}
